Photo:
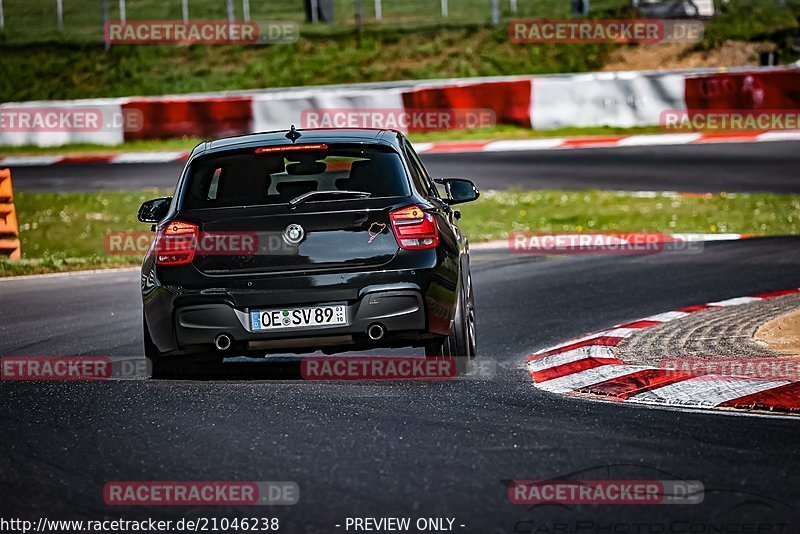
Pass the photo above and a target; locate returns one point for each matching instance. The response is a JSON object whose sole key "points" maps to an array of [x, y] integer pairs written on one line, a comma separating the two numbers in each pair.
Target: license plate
{"points": [[287, 318]]}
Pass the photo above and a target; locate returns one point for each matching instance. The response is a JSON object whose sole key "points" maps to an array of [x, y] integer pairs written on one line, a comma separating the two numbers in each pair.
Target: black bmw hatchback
{"points": [[298, 241]]}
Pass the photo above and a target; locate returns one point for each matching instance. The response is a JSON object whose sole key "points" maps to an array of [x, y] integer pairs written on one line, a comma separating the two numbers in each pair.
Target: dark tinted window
{"points": [[419, 174], [247, 179]]}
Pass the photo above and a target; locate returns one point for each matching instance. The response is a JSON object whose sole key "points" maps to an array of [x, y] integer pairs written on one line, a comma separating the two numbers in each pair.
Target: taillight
{"points": [[414, 229], [176, 243]]}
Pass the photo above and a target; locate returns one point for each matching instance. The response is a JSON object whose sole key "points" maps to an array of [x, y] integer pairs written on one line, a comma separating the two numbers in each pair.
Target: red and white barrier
{"points": [[278, 110], [171, 117], [621, 99], [777, 90], [510, 100], [107, 129], [589, 367]]}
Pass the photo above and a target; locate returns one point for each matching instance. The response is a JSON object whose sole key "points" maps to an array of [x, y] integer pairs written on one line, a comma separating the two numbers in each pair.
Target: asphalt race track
{"points": [[407, 449], [769, 166]]}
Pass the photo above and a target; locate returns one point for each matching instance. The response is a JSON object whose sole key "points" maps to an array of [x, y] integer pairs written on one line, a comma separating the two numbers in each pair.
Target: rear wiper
{"points": [[306, 196]]}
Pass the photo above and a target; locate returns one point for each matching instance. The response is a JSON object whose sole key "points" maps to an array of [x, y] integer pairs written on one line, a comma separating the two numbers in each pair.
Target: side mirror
{"points": [[459, 190], [154, 211]]}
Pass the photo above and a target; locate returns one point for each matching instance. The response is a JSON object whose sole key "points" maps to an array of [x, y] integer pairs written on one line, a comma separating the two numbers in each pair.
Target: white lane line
{"points": [[574, 355], [655, 139], [30, 161], [667, 316], [516, 145], [621, 332], [708, 390], [734, 302], [789, 135], [589, 377], [614, 332], [148, 157], [422, 147], [707, 237], [570, 342]]}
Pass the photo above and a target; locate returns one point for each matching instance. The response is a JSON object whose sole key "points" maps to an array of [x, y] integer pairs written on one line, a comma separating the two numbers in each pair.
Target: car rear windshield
{"points": [[248, 178]]}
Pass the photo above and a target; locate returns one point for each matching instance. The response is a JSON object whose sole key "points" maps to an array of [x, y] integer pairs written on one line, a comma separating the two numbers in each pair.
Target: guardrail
{"points": [[617, 99], [9, 229]]}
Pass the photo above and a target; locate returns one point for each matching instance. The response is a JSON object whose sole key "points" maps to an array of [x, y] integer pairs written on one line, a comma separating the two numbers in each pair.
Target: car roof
{"points": [[316, 135]]}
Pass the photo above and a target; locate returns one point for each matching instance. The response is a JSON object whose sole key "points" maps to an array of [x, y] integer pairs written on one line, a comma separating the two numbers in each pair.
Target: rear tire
{"points": [[472, 330], [460, 344]]}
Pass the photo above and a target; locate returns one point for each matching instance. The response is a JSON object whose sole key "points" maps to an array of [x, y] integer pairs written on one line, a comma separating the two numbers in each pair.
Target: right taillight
{"points": [[176, 243], [414, 229]]}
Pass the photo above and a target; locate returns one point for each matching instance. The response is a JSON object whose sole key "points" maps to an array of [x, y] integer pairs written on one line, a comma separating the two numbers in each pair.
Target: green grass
{"points": [[66, 71], [499, 212], [752, 20], [481, 134], [28, 21], [61, 232]]}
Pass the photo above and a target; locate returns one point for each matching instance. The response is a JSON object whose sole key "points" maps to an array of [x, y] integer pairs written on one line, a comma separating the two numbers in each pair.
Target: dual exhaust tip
{"points": [[223, 341], [375, 331]]}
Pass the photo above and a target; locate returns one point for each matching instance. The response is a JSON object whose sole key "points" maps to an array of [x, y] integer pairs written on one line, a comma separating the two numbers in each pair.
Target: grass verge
{"points": [[69, 70], [66, 231], [497, 213]]}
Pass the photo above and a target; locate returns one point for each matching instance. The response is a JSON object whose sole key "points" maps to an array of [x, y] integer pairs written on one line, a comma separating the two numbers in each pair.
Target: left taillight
{"points": [[414, 229], [176, 243]]}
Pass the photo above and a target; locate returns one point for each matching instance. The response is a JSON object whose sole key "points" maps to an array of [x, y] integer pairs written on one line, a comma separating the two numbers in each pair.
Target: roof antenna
{"points": [[293, 134]]}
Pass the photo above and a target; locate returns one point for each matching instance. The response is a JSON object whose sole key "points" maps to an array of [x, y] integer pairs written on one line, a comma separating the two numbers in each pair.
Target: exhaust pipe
{"points": [[375, 332], [222, 342]]}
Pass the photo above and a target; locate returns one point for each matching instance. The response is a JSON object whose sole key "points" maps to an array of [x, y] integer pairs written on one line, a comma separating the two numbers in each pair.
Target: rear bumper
{"points": [[413, 299], [396, 310]]}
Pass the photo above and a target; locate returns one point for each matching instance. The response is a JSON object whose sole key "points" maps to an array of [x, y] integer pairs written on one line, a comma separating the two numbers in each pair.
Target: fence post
{"points": [[104, 14], [359, 21], [229, 9], [246, 10], [580, 8], [185, 11], [495, 12], [122, 15], [60, 15], [513, 5], [445, 9], [378, 10], [2, 18]]}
